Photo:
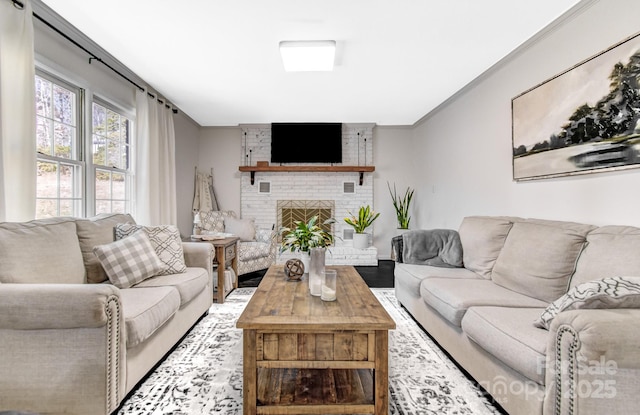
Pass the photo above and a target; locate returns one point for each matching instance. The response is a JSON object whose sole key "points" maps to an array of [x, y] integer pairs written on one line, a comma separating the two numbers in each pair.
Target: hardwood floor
{"points": [[375, 277]]}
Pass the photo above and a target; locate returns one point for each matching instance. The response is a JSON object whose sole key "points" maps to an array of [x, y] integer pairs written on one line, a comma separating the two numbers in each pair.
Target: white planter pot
{"points": [[361, 240], [305, 257]]}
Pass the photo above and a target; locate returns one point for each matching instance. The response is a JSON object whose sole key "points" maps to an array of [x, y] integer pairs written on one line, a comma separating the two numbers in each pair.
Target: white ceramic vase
{"points": [[305, 257], [361, 240]]}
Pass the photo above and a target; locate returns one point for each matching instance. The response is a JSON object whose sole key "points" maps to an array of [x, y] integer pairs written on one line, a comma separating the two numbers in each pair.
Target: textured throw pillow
{"points": [[615, 292], [165, 240], [214, 221], [242, 228], [130, 260]]}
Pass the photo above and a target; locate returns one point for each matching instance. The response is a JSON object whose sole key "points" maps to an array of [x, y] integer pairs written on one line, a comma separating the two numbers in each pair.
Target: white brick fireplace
{"points": [[260, 200]]}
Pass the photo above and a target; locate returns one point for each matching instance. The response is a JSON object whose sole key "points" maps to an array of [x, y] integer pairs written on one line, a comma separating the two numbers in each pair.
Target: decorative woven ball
{"points": [[293, 269]]}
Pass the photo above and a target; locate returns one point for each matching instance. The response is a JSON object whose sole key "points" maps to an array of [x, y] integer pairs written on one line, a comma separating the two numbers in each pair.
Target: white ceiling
{"points": [[218, 61]]}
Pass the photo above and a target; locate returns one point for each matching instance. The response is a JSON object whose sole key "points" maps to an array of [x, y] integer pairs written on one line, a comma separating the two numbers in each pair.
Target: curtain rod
{"points": [[92, 56]]}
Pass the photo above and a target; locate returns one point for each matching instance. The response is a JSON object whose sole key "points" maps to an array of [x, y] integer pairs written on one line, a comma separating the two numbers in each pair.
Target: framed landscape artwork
{"points": [[583, 120]]}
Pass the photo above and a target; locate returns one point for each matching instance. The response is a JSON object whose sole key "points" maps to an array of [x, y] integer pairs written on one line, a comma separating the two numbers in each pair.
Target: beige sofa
{"points": [[482, 314], [73, 343]]}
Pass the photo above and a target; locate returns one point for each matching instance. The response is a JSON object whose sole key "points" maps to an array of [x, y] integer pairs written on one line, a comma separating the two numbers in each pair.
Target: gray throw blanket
{"points": [[436, 247]]}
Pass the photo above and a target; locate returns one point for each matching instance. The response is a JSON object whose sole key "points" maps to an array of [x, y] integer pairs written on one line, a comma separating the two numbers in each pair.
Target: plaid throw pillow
{"points": [[130, 260], [165, 240]]}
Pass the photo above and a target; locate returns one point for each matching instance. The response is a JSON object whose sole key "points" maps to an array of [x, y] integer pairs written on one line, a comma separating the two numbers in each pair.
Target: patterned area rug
{"points": [[203, 375]]}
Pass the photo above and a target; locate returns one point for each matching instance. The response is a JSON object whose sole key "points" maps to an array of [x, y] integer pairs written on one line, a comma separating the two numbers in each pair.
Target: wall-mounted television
{"points": [[306, 143]]}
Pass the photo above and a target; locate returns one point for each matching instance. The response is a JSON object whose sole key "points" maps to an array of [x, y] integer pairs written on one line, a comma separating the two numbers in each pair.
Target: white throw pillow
{"points": [[130, 260], [165, 240], [242, 228], [615, 292]]}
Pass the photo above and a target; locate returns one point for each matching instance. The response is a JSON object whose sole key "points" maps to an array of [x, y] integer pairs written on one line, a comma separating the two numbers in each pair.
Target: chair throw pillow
{"points": [[214, 220], [614, 292], [165, 240], [242, 228], [130, 260]]}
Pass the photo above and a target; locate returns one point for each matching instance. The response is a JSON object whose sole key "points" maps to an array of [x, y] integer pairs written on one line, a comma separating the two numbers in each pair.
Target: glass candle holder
{"points": [[329, 285]]}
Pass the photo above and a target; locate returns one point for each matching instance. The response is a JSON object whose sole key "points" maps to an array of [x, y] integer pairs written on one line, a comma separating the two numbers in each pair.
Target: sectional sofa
{"points": [[544, 315], [74, 341]]}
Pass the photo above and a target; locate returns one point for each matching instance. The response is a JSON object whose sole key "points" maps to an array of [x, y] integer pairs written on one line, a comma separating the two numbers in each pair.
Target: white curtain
{"points": [[17, 114], [155, 163]]}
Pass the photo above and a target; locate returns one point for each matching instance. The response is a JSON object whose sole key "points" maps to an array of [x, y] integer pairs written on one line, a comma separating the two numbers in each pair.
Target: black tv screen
{"points": [[306, 143]]}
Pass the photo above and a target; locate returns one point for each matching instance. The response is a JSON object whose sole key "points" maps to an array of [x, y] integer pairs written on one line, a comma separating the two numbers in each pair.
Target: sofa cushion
{"points": [[411, 275], [253, 250], [610, 251], [130, 260], [507, 334], [539, 257], [242, 228], [616, 292], [146, 309], [453, 297], [482, 239], [189, 283], [214, 221], [41, 251], [97, 231], [165, 240]]}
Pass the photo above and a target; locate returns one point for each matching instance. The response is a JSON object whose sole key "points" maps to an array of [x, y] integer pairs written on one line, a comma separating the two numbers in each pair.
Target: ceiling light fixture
{"points": [[307, 55]]}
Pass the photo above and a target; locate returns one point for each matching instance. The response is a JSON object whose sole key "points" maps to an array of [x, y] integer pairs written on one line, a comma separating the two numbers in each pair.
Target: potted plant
{"points": [[304, 236], [360, 223], [401, 205]]}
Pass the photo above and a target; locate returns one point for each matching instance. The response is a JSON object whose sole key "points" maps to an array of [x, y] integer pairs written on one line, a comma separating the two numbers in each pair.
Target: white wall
{"points": [[462, 151], [187, 149], [220, 149]]}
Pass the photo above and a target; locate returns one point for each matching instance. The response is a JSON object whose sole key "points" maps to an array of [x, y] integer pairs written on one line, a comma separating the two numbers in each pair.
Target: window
{"points": [[72, 178], [111, 138], [59, 175]]}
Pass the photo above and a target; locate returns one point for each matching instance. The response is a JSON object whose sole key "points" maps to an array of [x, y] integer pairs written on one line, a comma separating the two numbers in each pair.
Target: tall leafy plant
{"points": [[401, 204]]}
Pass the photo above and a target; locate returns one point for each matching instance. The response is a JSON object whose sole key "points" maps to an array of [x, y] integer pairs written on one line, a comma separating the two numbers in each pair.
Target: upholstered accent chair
{"points": [[257, 247]]}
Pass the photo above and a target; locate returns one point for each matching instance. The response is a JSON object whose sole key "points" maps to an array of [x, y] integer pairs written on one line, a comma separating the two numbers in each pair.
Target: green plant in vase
{"points": [[360, 223], [401, 204], [305, 235]]}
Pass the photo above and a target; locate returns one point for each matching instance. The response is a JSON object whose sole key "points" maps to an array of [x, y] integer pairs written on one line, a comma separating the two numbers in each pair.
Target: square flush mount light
{"points": [[308, 55]]}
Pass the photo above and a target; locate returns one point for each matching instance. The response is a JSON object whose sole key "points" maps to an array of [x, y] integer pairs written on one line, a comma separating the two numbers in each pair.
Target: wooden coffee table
{"points": [[303, 355]]}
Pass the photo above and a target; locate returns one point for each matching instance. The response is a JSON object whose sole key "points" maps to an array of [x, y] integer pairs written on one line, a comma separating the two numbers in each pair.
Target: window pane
{"points": [[103, 206], [118, 186], [43, 97], [118, 207], [66, 182], [113, 158], [113, 125], [64, 105], [99, 151], [43, 135], [63, 138], [66, 208], [103, 184], [99, 119], [46, 208], [47, 180]]}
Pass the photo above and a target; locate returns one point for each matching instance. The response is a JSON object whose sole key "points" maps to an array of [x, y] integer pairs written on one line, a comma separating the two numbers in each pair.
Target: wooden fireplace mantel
{"points": [[318, 169]]}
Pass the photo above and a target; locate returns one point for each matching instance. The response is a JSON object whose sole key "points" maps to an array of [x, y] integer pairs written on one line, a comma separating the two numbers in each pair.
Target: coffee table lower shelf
{"points": [[315, 391]]}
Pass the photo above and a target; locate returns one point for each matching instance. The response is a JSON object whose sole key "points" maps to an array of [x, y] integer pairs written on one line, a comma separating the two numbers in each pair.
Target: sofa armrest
{"points": [[199, 254], [56, 306], [60, 341], [593, 362]]}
